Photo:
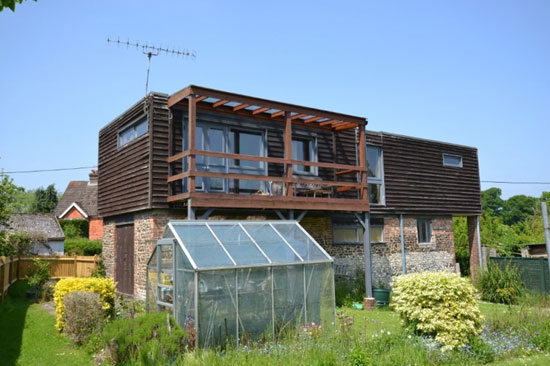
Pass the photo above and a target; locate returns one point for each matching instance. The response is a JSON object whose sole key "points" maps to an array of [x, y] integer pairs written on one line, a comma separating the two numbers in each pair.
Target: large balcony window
{"points": [[303, 148], [375, 175]]}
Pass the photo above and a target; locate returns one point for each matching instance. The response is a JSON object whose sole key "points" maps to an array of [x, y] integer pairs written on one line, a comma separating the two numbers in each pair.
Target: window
{"points": [[303, 148], [452, 160], [424, 230], [375, 175], [246, 143], [129, 134], [347, 230]]}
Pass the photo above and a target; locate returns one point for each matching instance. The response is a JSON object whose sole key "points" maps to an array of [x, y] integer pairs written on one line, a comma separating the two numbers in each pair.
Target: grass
{"points": [[28, 336]]}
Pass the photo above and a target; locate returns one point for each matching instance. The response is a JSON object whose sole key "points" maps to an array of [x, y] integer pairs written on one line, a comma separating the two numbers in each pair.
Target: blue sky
{"points": [[470, 72]]}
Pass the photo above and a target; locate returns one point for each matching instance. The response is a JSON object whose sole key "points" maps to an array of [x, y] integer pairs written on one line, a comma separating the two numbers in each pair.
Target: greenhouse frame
{"points": [[236, 281]]}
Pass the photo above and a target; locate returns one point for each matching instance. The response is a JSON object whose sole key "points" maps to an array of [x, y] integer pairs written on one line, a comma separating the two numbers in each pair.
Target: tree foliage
{"points": [[45, 199], [10, 4], [506, 225], [8, 198]]}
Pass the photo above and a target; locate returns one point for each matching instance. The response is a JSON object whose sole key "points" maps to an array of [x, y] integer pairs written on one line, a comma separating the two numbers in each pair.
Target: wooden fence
{"points": [[16, 268], [533, 271]]}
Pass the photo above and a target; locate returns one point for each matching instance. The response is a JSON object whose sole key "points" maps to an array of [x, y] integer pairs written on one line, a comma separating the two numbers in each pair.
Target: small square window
{"points": [[452, 160], [424, 227]]}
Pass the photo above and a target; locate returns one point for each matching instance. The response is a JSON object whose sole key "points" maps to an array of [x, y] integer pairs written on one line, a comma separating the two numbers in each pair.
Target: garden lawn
{"points": [[28, 336]]}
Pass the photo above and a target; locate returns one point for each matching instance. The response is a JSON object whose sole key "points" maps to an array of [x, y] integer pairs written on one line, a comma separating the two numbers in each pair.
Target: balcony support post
{"points": [[363, 162], [289, 188], [192, 120]]}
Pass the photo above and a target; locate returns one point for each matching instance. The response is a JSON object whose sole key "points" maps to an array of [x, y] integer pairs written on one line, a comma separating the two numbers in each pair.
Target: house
{"points": [[44, 230], [202, 153], [79, 201]]}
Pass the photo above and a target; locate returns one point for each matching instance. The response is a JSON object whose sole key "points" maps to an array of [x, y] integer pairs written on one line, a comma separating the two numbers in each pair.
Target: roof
{"points": [[45, 224], [263, 108], [82, 194], [217, 244]]}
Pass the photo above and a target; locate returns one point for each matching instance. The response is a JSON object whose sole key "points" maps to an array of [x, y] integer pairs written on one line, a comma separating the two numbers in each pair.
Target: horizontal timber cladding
{"points": [[129, 176], [416, 181]]}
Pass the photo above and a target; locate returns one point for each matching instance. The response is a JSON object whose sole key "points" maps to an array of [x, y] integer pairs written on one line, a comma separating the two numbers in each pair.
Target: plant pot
{"points": [[382, 296]]}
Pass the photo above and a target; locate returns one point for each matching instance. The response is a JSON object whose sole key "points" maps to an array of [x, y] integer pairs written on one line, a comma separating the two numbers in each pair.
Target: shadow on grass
{"points": [[12, 322]]}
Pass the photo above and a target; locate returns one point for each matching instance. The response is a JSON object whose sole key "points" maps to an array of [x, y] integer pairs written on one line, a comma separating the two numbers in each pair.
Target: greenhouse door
{"points": [[125, 259]]}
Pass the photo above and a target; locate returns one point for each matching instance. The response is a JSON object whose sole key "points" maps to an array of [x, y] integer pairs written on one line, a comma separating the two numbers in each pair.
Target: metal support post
{"points": [[478, 232], [546, 230], [190, 210], [403, 254], [368, 259]]}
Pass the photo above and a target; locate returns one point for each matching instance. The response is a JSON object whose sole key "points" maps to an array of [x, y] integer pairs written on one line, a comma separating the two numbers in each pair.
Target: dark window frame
{"points": [[133, 126], [424, 230], [350, 222], [460, 165]]}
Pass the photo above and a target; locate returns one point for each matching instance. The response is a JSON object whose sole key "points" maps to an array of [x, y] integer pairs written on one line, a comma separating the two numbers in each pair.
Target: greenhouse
{"points": [[233, 281]]}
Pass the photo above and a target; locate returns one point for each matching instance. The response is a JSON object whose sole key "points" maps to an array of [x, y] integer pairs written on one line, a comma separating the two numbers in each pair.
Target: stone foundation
{"points": [[438, 255], [386, 257]]}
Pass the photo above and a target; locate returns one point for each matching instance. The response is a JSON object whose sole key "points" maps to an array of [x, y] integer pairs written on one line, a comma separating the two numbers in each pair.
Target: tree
{"points": [[45, 199], [517, 208], [9, 4], [491, 202], [8, 198]]}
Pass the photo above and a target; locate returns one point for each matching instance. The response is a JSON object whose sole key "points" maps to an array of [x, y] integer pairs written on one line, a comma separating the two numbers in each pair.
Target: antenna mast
{"points": [[151, 51]]}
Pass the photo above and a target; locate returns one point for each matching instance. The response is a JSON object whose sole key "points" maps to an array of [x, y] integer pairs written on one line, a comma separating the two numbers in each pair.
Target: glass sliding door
{"points": [[247, 142]]}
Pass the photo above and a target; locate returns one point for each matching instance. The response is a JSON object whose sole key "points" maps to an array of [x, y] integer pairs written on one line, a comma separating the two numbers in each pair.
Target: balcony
{"points": [[346, 191]]}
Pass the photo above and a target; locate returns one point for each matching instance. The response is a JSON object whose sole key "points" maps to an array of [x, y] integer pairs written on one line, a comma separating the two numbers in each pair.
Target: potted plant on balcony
{"points": [[381, 294]]}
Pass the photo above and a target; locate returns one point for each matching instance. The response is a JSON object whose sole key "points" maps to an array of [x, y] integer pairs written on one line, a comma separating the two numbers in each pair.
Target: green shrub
{"points": [[83, 246], [438, 304], [39, 273], [500, 285], [99, 271], [105, 287], [153, 336], [75, 228], [83, 315]]}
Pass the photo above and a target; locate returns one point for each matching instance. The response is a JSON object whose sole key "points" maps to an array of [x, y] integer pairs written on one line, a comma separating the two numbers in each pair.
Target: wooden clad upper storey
{"points": [[426, 177], [245, 152]]}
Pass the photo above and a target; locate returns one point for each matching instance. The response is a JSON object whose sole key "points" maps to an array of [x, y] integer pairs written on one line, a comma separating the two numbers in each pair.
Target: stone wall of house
{"points": [[437, 255], [386, 257]]}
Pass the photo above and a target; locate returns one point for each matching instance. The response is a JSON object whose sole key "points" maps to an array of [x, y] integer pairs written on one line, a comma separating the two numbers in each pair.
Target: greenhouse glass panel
{"points": [[254, 295], [319, 303], [271, 243], [288, 295], [152, 274], [202, 246], [239, 281], [300, 241], [184, 310], [217, 307], [238, 244]]}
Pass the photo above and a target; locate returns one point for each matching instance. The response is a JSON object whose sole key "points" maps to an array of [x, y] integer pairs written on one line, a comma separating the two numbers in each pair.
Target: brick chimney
{"points": [[93, 177]]}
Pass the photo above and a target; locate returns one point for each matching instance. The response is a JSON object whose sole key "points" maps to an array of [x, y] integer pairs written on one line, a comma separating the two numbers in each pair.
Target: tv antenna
{"points": [[151, 51]]}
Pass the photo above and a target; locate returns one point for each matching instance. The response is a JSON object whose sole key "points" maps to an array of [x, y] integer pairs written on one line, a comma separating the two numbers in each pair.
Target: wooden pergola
{"points": [[196, 97]]}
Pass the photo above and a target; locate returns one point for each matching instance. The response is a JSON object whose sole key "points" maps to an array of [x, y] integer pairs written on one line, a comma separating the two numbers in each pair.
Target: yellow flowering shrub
{"points": [[105, 287], [438, 304]]}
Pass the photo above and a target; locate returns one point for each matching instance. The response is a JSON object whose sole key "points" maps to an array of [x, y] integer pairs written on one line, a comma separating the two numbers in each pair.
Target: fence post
{"points": [[75, 266], [2, 270]]}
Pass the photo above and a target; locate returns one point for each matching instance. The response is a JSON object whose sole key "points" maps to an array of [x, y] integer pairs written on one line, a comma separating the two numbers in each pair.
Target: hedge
{"points": [[74, 228], [83, 246]]}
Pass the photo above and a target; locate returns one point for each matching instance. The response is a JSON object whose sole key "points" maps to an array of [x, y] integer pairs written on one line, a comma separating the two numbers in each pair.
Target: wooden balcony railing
{"points": [[290, 197]]}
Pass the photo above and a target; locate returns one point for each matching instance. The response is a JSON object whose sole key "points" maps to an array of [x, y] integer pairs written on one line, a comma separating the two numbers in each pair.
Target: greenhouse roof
{"points": [[210, 244]]}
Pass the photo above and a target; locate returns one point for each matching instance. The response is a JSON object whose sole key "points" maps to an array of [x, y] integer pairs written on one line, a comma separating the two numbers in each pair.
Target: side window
{"points": [[303, 148], [424, 227], [452, 160], [346, 230], [375, 176], [132, 132]]}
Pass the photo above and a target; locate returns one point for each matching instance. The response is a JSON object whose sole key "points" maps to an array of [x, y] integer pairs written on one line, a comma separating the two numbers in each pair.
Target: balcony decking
{"points": [[290, 197]]}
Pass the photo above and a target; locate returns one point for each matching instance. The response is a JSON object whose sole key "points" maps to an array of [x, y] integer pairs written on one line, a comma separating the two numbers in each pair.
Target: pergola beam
{"points": [[260, 110], [312, 119], [240, 106], [219, 103]]}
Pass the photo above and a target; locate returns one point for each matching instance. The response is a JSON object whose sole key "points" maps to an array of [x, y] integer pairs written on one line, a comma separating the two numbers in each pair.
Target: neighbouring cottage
{"points": [[79, 201], [44, 230], [208, 154]]}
